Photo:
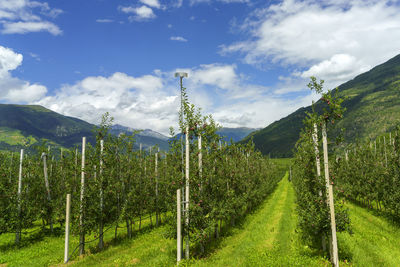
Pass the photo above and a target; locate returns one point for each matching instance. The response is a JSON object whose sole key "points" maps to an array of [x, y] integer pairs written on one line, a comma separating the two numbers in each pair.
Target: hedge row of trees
{"points": [[309, 180], [370, 173], [123, 185]]}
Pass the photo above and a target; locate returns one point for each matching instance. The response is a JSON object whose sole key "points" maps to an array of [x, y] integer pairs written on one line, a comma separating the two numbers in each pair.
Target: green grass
{"points": [[15, 137], [41, 248], [267, 237], [375, 240]]}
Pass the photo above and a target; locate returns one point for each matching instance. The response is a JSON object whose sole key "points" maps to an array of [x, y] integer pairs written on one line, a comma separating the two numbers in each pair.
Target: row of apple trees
{"points": [[231, 180], [309, 179], [369, 173]]}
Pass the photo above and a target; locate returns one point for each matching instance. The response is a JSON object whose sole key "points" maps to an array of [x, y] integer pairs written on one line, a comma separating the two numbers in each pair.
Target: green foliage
{"points": [[370, 174], [124, 185], [311, 189]]}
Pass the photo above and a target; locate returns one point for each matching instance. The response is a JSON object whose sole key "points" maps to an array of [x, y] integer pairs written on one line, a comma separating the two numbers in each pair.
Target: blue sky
{"points": [[248, 61]]}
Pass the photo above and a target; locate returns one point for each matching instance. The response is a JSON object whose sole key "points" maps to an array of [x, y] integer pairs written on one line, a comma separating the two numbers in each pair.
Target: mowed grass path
{"points": [[375, 240], [267, 238]]}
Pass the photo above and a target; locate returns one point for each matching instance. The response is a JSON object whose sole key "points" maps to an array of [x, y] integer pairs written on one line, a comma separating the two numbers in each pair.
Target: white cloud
{"points": [[334, 39], [25, 27], [140, 102], [222, 76], [193, 2], [178, 3], [151, 3], [35, 56], [23, 16], [141, 13], [104, 20], [14, 90], [152, 101], [9, 60], [340, 67], [178, 38]]}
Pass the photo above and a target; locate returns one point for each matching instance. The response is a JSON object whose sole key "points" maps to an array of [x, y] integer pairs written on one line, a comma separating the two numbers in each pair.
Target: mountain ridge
{"points": [[372, 100]]}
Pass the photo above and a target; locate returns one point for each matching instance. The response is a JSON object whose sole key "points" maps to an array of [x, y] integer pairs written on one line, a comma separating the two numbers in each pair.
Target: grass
{"points": [[375, 240], [267, 237], [15, 137], [41, 248]]}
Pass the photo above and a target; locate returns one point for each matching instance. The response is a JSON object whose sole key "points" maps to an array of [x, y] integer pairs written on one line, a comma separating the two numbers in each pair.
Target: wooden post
{"points": [[46, 182], [334, 255], [318, 166], [187, 193], [81, 217], [18, 233], [156, 176], [11, 161], [346, 156], [315, 141], [101, 243], [200, 163], [67, 218], [384, 148], [178, 227]]}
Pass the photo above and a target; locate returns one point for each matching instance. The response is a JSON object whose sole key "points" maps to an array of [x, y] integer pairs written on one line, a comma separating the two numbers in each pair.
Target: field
{"points": [[267, 237]]}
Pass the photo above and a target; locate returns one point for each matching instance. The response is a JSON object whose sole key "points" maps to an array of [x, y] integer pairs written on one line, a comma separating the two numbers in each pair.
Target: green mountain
{"points": [[236, 134], [22, 125], [147, 137], [373, 108]]}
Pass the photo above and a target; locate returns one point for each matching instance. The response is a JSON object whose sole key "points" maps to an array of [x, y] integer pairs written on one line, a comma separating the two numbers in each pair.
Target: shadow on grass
{"points": [[122, 238], [390, 217], [31, 238]]}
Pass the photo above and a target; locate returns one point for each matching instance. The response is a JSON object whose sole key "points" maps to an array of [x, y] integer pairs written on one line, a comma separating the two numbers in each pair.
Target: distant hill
{"points": [[236, 134], [145, 137], [26, 124], [373, 107]]}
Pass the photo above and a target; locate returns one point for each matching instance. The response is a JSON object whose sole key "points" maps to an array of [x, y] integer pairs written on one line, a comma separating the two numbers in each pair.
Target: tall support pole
{"points": [[178, 227], [101, 225], [334, 256], [46, 182], [18, 233], [156, 176], [200, 162], [81, 217], [315, 141], [318, 165], [181, 120], [67, 218], [187, 193]]}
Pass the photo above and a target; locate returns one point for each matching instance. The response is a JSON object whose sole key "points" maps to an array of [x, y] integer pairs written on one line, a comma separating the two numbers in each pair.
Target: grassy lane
{"points": [[375, 242], [268, 237], [147, 249], [45, 249]]}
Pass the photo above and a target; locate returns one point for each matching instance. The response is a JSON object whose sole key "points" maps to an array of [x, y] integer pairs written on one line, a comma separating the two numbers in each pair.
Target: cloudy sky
{"points": [[248, 61]]}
